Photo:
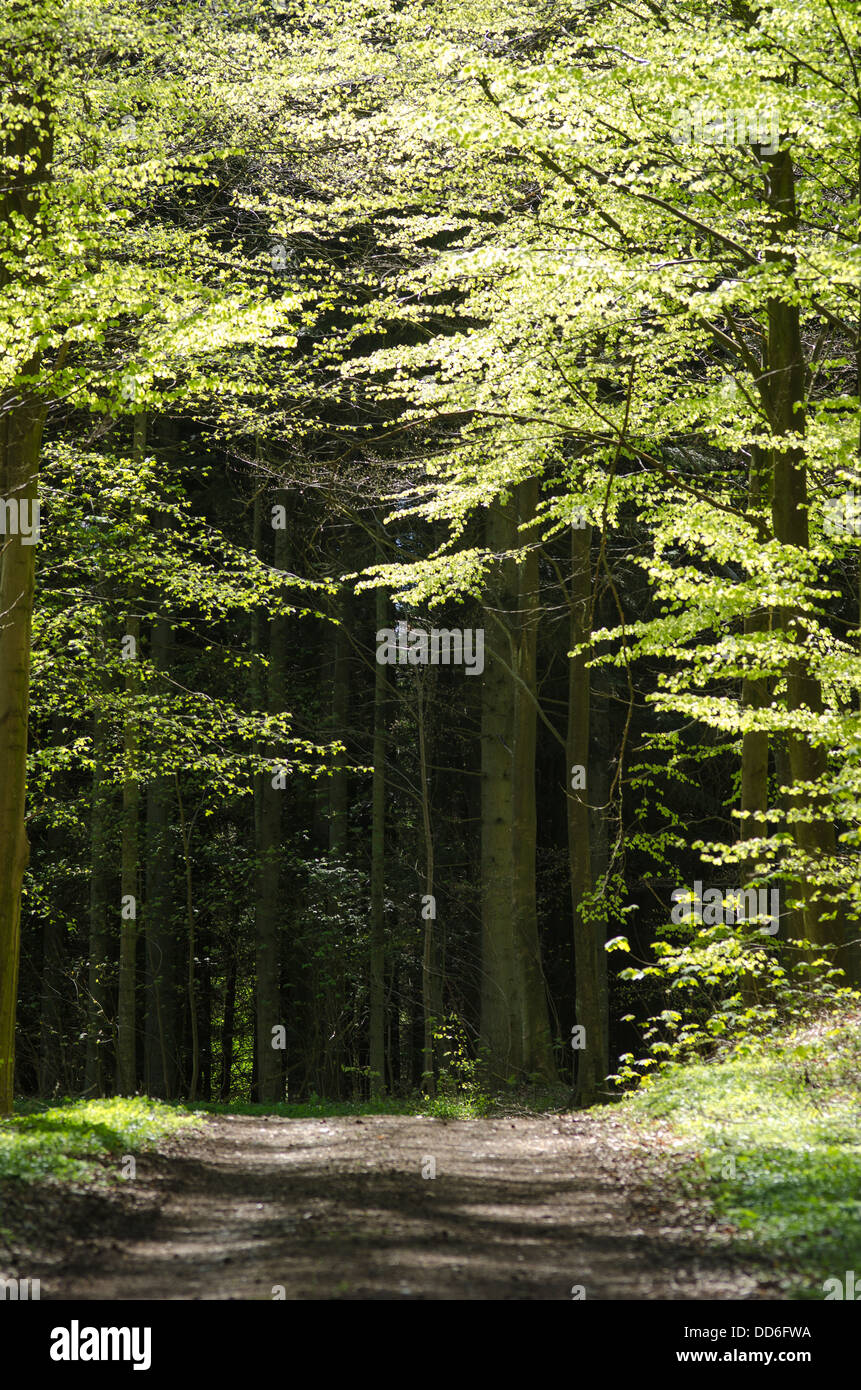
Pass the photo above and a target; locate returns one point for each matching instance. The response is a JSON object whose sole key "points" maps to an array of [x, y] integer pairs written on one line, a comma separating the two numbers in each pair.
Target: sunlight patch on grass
{"points": [[777, 1135], [66, 1141]]}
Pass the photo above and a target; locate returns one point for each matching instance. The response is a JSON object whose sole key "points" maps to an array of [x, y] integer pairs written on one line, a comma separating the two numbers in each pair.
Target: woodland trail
{"points": [[520, 1208]]}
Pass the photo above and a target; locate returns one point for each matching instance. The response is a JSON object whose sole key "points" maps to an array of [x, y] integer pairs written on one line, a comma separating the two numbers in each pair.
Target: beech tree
{"points": [[543, 325]]}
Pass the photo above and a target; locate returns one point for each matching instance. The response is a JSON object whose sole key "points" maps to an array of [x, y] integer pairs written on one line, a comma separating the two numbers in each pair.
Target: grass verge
{"points": [[67, 1141], [776, 1135]]}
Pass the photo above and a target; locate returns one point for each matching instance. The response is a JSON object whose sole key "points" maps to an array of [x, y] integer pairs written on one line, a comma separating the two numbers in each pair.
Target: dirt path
{"points": [[520, 1208]]}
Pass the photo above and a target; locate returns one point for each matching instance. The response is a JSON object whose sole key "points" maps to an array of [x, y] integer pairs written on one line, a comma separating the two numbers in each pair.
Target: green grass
{"points": [[308, 1109], [455, 1100], [472, 1105], [456, 1107], [67, 1141], [777, 1141]]}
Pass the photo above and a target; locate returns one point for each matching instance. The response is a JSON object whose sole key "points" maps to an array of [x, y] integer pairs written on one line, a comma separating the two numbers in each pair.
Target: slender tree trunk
{"points": [[204, 1025], [501, 1040], [336, 789], [51, 1005], [378, 871], [338, 783], [127, 992], [98, 1023], [26, 160], [755, 695], [431, 1002], [269, 1076], [791, 921], [160, 1025], [191, 973], [589, 955], [268, 913], [599, 782], [852, 963], [51, 1030], [814, 833], [537, 1053], [405, 1026], [228, 1031], [255, 1053]]}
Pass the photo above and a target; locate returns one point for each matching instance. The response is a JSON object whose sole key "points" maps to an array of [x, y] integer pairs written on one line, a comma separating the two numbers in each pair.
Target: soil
{"points": [[535, 1207]]}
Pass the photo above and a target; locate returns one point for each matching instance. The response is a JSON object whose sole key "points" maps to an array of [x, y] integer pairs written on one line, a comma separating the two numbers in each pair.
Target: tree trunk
{"points": [[51, 1011], [378, 872], [204, 1022], [755, 695], [126, 994], [51, 1030], [98, 1022], [127, 991], [537, 1053], [331, 1013], [814, 834], [599, 782], [431, 1000], [191, 973], [405, 1028], [270, 1073], [791, 920], [589, 956], [501, 1041], [228, 1030], [161, 1000], [27, 153], [338, 786]]}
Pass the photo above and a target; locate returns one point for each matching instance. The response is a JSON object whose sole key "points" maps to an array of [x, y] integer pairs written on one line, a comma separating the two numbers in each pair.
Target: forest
{"points": [[430, 569]]}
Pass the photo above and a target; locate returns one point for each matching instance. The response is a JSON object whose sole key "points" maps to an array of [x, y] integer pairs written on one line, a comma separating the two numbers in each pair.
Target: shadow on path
{"points": [[339, 1208]]}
